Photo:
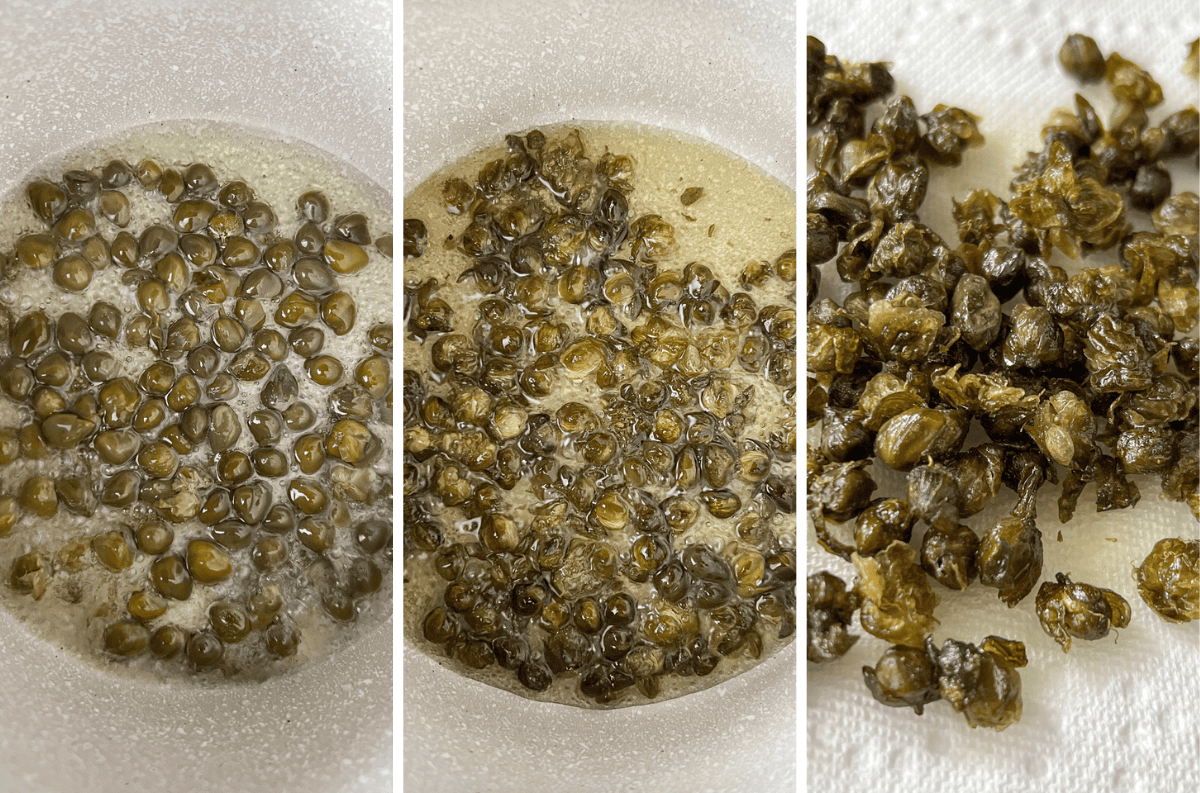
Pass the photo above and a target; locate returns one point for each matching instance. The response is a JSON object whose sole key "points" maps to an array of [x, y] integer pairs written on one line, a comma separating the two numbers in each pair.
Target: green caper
{"points": [[307, 342], [345, 257], [262, 284], [192, 216], [75, 225], [16, 379], [313, 276], [374, 374], [105, 319], [296, 309], [233, 467], [66, 430], [271, 344], [207, 562], [145, 606], [72, 273], [313, 206], [32, 445], [339, 605], [223, 388], [235, 194], [158, 460], [249, 365], [251, 502], [170, 578], [121, 490], [203, 361], [372, 535], [239, 251], [149, 415], [154, 537], [47, 199], [205, 650], [38, 496], [139, 331], [225, 224], [10, 445], [229, 621], [324, 370], [113, 551], [224, 429], [36, 251], [45, 402], [299, 417], [168, 641], [280, 256], [126, 639], [114, 207], [269, 553], [171, 185], [309, 453], [116, 447], [259, 217], [250, 312], [364, 576], [283, 638], [280, 519], [216, 507], [199, 179], [316, 534], [308, 496]]}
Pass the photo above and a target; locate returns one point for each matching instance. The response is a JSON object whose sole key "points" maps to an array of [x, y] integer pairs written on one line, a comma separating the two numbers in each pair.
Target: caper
{"points": [[251, 502], [199, 179], [316, 534], [307, 341], [296, 309], [235, 194], [229, 621], [16, 379], [269, 553], [146, 606], [338, 312], [32, 445], [380, 336], [308, 496], [279, 256], [233, 467], [271, 344], [168, 641], [249, 365], [238, 251], [126, 639], [259, 217], [299, 416], [113, 551], [205, 650], [225, 224], [170, 578], [75, 225], [154, 537], [10, 445], [45, 402], [279, 519], [207, 562], [313, 206], [283, 638], [38, 496], [324, 370], [372, 535], [36, 251], [47, 199], [66, 430], [352, 227], [105, 319], [216, 507]]}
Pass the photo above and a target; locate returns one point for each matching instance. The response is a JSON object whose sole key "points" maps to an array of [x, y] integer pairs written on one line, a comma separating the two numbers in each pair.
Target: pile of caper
{"points": [[573, 536], [1092, 373], [176, 420]]}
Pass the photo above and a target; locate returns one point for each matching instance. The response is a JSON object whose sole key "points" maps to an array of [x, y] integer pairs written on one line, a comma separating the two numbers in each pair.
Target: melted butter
{"points": [[742, 216]]}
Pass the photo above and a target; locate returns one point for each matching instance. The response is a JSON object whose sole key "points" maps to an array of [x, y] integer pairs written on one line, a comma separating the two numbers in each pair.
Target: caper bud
{"points": [[170, 578], [126, 639]]}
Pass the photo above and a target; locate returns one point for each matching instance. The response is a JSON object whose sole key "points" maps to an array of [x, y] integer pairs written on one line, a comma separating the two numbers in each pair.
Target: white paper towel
{"points": [[1118, 714]]}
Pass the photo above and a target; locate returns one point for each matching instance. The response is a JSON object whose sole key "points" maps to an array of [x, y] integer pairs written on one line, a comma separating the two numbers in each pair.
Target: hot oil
{"points": [[743, 215], [79, 605]]}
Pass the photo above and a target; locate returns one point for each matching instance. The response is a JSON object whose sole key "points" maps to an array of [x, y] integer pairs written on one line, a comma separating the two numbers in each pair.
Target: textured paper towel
{"points": [[1118, 714]]}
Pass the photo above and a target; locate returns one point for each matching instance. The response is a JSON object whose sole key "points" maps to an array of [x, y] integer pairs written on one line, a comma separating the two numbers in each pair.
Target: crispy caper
{"points": [[170, 578], [126, 639], [207, 562]]}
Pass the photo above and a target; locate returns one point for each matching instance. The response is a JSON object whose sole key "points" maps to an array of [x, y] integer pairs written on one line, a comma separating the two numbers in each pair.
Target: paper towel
{"points": [[1118, 714]]}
